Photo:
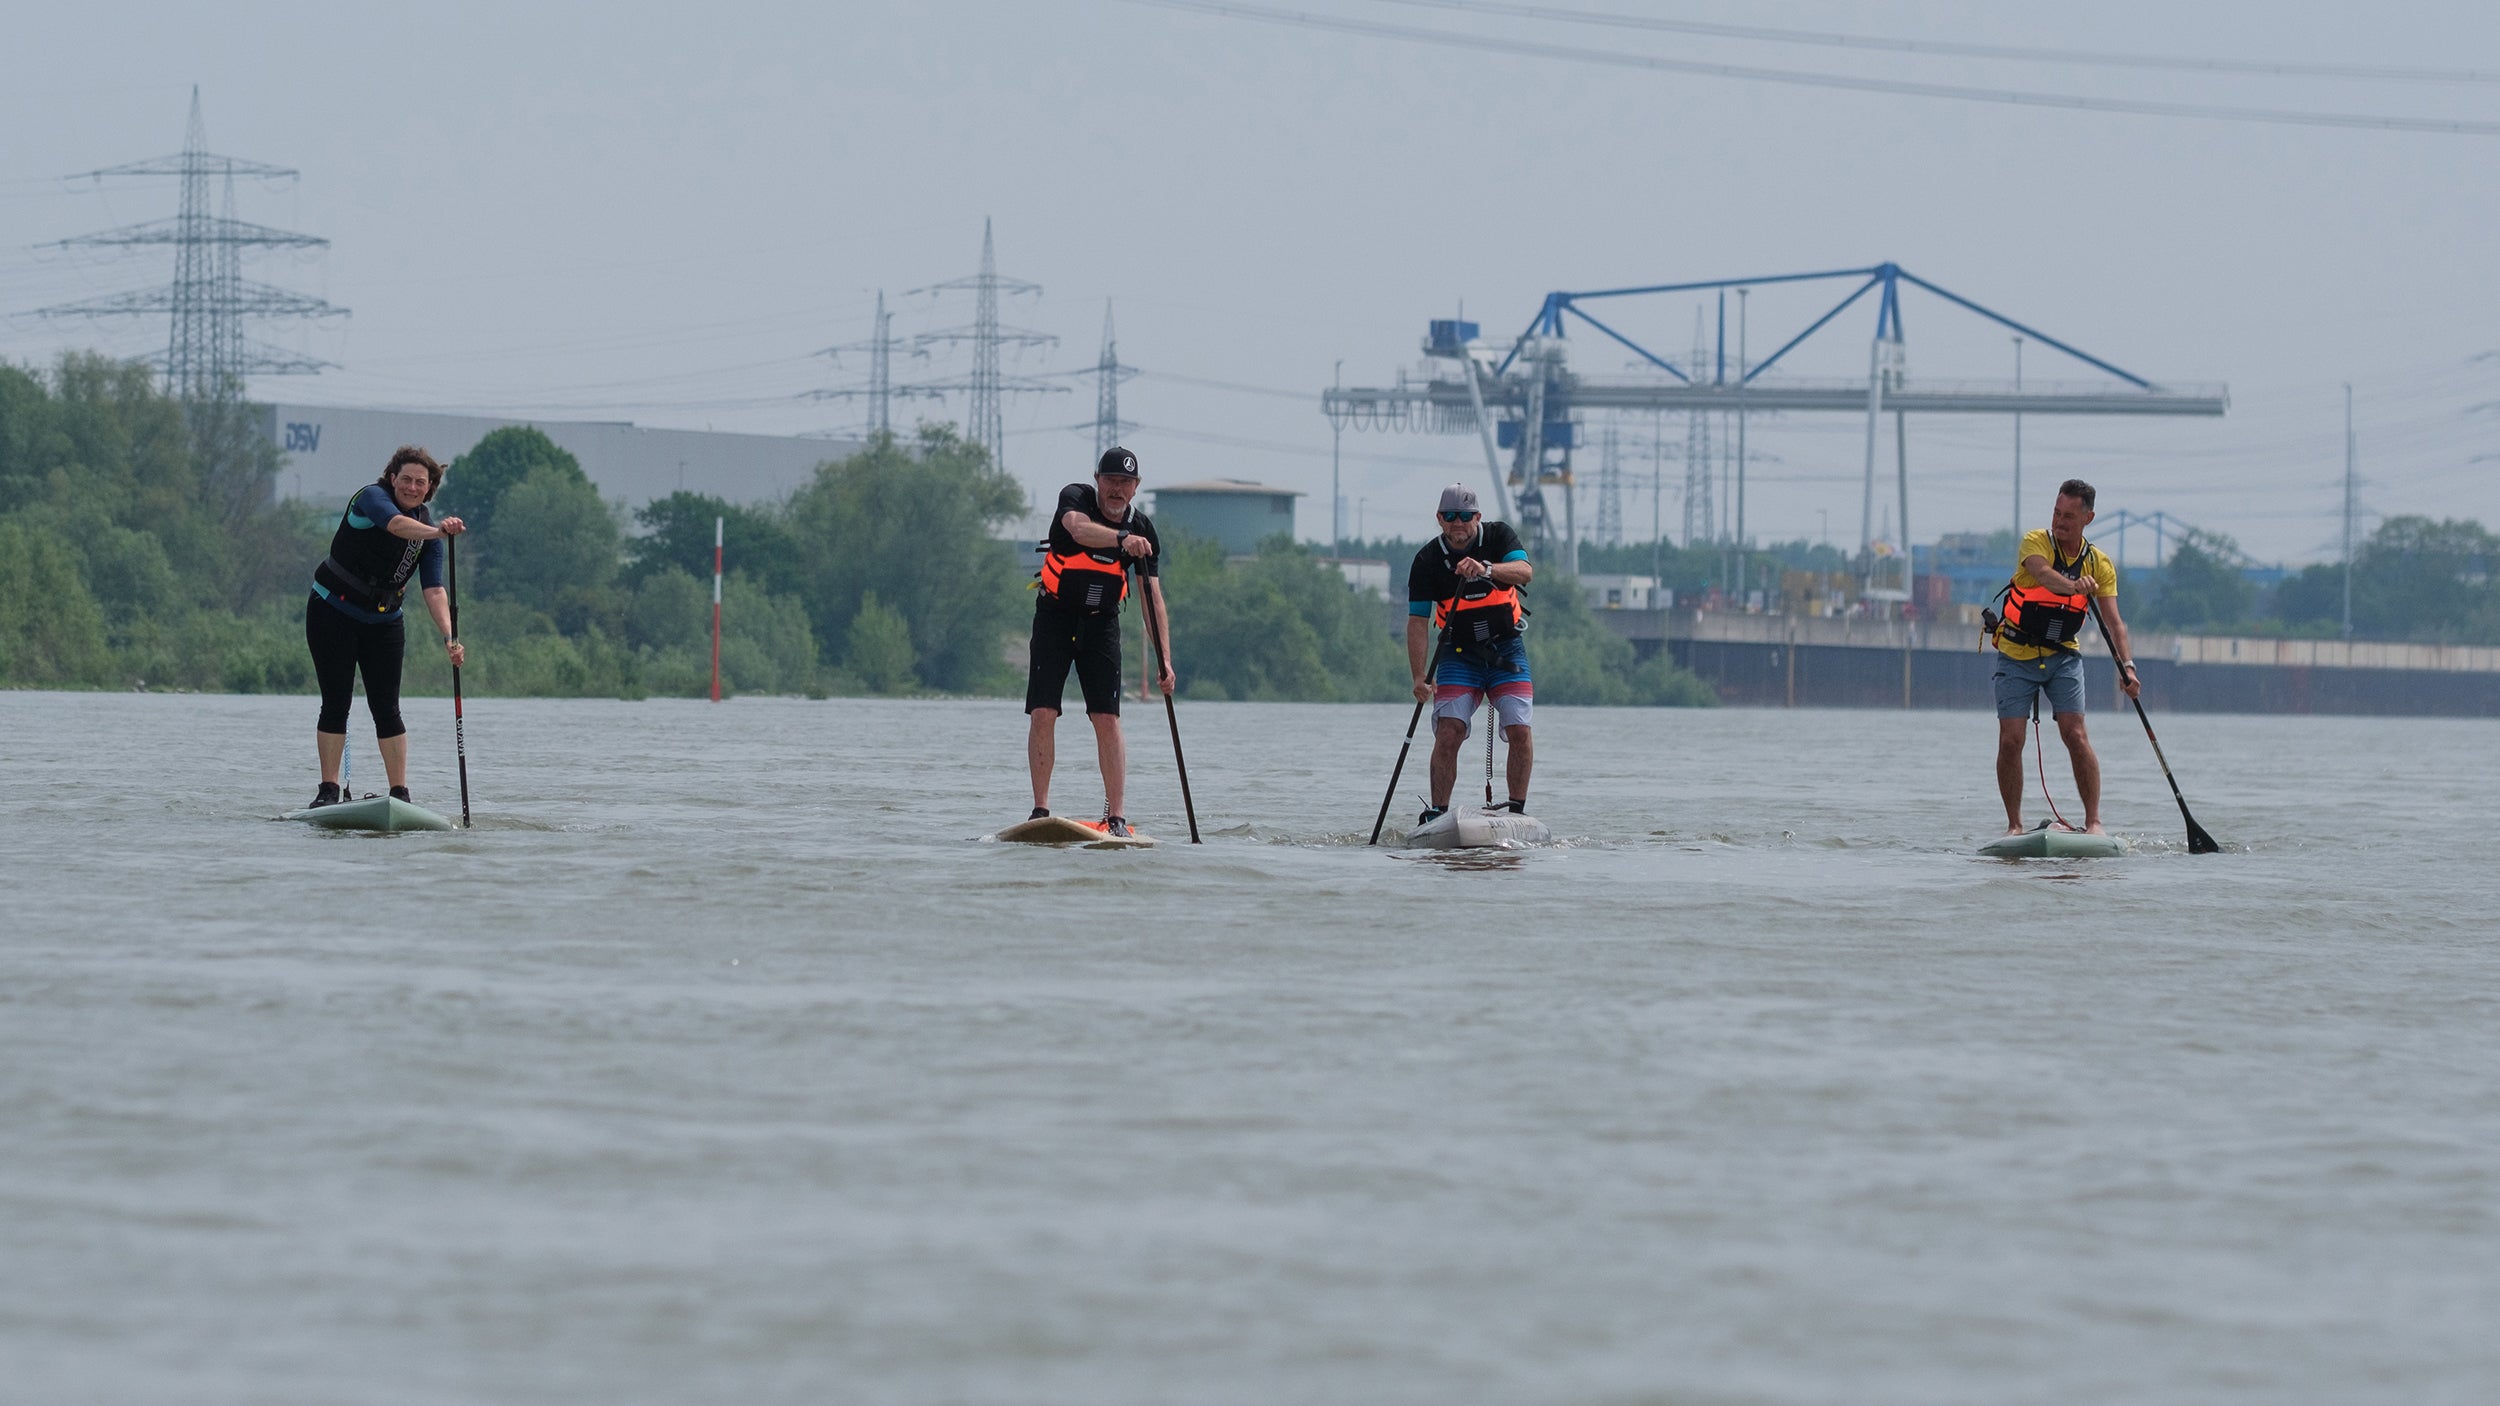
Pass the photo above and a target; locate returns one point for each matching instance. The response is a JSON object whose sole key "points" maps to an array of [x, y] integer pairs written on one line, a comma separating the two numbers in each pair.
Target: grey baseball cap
{"points": [[1458, 498]]}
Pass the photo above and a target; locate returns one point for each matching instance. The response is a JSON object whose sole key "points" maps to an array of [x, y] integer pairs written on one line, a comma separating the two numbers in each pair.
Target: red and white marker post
{"points": [[717, 525]]}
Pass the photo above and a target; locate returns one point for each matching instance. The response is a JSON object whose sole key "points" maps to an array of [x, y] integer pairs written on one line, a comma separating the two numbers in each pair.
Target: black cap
{"points": [[1116, 460]]}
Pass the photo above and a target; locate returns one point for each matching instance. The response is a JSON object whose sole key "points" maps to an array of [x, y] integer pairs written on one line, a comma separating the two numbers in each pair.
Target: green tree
{"points": [[51, 631], [880, 653], [671, 611], [555, 544], [677, 533], [1283, 625], [2200, 590], [2416, 578], [475, 488], [914, 525]]}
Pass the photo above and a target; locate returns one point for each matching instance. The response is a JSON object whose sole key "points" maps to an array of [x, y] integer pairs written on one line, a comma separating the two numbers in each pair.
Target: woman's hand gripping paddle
{"points": [[1163, 660], [1397, 771], [2198, 841], [459, 724]]}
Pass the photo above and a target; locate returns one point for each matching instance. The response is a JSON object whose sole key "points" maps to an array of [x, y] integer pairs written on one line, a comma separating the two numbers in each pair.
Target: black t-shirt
{"points": [[1434, 576], [1081, 498]]}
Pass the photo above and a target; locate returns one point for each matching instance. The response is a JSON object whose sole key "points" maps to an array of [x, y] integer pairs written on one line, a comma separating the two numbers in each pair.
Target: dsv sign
{"points": [[302, 438]]}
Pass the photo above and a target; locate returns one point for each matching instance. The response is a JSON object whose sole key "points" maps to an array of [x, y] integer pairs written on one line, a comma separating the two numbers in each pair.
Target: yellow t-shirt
{"points": [[2038, 543]]}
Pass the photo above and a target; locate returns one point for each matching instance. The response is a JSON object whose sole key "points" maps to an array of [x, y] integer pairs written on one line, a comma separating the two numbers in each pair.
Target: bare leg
{"points": [[395, 759], [333, 747], [1114, 753], [1522, 761], [1447, 734], [2010, 771], [2087, 769], [1041, 753]]}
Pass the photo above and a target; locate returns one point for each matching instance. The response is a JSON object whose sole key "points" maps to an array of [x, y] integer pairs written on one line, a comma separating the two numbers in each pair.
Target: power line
{"points": [[2081, 58], [1519, 48]]}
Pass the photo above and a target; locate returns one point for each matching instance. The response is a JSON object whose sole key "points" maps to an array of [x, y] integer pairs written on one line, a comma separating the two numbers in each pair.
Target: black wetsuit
{"points": [[353, 621]]}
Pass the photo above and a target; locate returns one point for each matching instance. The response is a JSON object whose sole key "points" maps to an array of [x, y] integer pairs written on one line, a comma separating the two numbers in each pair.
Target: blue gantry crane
{"points": [[1524, 399]]}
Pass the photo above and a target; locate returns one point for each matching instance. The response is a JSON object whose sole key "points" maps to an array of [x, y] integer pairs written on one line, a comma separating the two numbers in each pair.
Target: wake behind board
{"points": [[383, 813], [2048, 842], [1062, 830], [1499, 829]]}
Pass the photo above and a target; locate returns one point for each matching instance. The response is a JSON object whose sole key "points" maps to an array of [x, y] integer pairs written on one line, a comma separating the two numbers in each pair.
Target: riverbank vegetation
{"points": [[140, 546]]}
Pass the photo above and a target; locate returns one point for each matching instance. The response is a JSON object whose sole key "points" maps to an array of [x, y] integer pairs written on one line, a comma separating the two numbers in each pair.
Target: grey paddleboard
{"points": [[2052, 843], [382, 813], [1479, 829]]}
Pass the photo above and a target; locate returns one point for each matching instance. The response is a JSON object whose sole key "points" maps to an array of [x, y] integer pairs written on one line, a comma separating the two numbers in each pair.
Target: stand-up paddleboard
{"points": [[1482, 829], [2049, 842], [383, 813], [1063, 830]]}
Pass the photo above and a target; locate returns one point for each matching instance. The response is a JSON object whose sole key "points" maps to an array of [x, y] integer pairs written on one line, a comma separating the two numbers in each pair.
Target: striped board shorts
{"points": [[1461, 680]]}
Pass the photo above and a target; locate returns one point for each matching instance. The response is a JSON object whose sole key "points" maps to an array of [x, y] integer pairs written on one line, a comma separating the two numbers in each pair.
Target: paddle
{"points": [[1171, 716], [459, 725], [1397, 771], [2198, 841]]}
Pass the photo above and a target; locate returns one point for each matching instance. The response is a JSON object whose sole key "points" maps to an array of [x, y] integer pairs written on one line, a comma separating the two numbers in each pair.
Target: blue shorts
{"points": [[1460, 682], [2019, 681]]}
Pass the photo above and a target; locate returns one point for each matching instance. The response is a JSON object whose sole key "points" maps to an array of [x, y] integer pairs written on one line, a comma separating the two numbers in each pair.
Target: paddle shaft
{"points": [[459, 723], [1397, 771], [2198, 841], [1171, 715]]}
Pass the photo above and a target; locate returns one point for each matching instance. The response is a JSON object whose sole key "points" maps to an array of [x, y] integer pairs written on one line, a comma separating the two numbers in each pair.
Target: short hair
{"points": [[408, 454], [2077, 489]]}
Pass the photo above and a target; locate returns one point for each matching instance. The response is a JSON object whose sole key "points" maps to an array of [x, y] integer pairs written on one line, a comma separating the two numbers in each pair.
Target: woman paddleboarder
{"points": [[352, 621]]}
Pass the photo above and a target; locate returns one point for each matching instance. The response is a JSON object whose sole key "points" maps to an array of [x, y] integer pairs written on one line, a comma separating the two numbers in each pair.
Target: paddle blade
{"points": [[2198, 841]]}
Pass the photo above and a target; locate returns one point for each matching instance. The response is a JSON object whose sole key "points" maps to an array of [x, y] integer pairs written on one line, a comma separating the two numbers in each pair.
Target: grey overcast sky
{"points": [[658, 213]]}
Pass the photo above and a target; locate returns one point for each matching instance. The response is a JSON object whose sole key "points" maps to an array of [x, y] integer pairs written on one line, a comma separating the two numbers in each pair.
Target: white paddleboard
{"points": [[2048, 842], [1480, 829], [387, 814], [1064, 830]]}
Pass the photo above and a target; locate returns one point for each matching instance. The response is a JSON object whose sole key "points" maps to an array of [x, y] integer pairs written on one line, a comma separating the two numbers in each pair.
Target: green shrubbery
{"points": [[137, 543]]}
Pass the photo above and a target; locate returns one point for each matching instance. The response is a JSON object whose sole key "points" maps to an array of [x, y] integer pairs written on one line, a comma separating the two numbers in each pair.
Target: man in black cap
{"points": [[1097, 538], [1466, 581]]}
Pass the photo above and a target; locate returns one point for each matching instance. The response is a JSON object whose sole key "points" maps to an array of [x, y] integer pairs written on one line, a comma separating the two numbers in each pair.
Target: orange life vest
{"points": [[2040, 618], [1089, 583], [1483, 614]]}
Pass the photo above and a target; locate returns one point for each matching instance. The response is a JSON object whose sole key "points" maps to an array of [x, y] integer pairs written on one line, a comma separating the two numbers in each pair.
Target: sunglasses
{"points": [[1458, 517]]}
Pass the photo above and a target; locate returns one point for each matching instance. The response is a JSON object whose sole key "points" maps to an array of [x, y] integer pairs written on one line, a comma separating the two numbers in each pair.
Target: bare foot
{"points": [[2094, 828], [2014, 827]]}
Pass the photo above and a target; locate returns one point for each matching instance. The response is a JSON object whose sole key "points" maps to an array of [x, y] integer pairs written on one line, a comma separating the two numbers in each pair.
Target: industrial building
{"points": [[1233, 513], [330, 451]]}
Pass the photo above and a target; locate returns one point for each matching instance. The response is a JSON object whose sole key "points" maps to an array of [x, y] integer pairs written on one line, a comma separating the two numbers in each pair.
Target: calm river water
{"points": [[722, 1062]]}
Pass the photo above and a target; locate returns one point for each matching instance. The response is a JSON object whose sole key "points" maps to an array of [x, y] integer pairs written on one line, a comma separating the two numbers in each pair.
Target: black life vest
{"points": [[1087, 582], [1483, 615], [369, 568], [2040, 618]]}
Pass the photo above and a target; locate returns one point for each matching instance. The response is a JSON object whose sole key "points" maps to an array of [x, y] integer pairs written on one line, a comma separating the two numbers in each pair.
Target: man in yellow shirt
{"points": [[2046, 604]]}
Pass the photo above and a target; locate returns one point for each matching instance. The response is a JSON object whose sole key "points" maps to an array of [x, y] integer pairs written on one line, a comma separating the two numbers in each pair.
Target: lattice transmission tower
{"points": [[988, 386], [1109, 428], [207, 356], [1610, 488], [880, 392], [1701, 516]]}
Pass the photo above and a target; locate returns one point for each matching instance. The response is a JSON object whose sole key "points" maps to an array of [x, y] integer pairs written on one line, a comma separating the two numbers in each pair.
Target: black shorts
{"points": [[1091, 642]]}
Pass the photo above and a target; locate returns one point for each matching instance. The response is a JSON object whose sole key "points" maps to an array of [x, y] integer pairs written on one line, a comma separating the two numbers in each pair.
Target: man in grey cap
{"points": [[1467, 582]]}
